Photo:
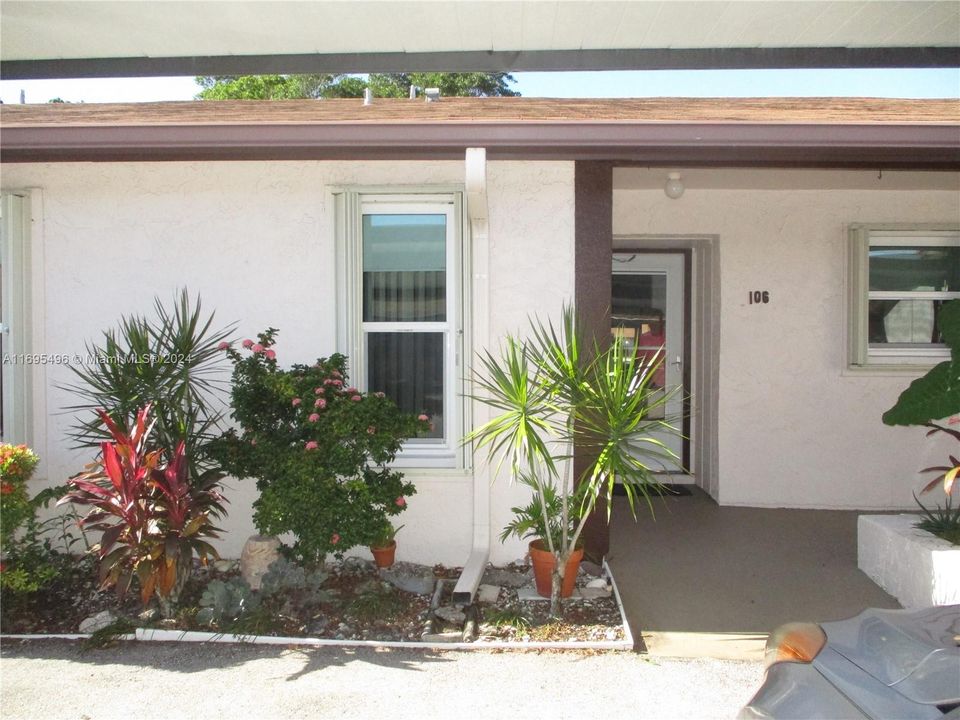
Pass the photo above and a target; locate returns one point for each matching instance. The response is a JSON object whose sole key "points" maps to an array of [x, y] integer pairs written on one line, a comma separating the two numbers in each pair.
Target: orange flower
{"points": [[6, 488]]}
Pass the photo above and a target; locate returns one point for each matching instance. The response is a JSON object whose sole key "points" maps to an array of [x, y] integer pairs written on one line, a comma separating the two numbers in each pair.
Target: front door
{"points": [[647, 310]]}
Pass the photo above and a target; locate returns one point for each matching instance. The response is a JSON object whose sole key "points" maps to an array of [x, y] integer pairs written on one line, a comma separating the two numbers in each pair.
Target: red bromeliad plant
{"points": [[151, 517]]}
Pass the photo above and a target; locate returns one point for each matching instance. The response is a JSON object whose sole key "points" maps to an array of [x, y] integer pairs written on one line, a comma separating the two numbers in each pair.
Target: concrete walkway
{"points": [[706, 580]]}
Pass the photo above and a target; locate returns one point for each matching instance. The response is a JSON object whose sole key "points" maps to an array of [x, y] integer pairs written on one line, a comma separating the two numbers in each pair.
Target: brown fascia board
{"points": [[918, 146]]}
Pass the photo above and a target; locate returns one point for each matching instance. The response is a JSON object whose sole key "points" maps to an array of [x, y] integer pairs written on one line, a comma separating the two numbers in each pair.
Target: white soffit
{"points": [[44, 30]]}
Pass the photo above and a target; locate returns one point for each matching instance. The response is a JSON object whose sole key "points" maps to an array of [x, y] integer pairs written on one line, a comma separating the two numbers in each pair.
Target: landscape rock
{"points": [[450, 615], [488, 593], [317, 626], [149, 615], [594, 593], [225, 566], [419, 582], [597, 583], [591, 568], [507, 578], [356, 564], [450, 636], [98, 622], [259, 552]]}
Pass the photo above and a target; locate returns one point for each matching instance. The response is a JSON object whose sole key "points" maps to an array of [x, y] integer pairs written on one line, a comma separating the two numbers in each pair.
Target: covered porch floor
{"points": [[705, 580]]}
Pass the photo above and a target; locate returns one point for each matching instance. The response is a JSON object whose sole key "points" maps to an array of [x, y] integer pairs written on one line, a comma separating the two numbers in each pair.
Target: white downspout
{"points": [[476, 186]]}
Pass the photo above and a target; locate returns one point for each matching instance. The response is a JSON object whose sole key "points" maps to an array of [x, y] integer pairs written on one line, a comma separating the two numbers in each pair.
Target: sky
{"points": [[905, 83]]}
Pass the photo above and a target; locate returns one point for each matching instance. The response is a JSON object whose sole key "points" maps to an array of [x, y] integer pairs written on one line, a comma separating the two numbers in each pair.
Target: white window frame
{"points": [[350, 205], [862, 238], [17, 366]]}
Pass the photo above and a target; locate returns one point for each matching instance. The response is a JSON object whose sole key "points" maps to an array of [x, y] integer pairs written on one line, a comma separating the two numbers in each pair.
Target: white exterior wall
{"points": [[796, 428], [255, 240]]}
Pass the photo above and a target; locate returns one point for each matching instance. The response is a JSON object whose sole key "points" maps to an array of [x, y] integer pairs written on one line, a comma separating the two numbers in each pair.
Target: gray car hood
{"points": [[915, 652]]}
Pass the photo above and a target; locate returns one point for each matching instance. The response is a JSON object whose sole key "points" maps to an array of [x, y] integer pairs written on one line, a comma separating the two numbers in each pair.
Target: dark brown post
{"points": [[593, 260]]}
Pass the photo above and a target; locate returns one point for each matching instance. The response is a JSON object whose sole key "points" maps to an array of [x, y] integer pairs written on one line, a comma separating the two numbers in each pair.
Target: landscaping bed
{"points": [[354, 602]]}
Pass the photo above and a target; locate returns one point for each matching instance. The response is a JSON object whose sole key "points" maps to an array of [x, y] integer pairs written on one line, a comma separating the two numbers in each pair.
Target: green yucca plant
{"points": [[552, 391]]}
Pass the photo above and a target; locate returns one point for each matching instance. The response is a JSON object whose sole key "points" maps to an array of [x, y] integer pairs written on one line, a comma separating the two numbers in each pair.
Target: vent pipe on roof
{"points": [[367, 96], [432, 94], [413, 92]]}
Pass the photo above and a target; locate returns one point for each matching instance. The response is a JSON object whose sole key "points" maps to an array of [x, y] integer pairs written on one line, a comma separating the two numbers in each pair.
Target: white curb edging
{"points": [[627, 634]]}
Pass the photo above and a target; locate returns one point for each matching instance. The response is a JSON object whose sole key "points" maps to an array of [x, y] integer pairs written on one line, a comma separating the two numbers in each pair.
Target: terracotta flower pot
{"points": [[384, 556], [543, 562]]}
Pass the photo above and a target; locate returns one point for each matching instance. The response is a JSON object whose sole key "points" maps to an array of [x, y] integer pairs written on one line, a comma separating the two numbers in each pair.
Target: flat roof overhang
{"points": [[736, 58], [98, 38], [928, 146]]}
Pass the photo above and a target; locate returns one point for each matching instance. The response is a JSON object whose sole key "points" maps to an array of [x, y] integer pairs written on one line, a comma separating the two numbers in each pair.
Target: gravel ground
{"points": [[54, 679]]}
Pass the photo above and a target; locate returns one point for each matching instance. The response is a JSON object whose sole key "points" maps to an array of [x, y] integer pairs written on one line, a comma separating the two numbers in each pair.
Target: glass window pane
{"points": [[905, 268], [408, 367], [904, 321], [404, 268], [638, 314]]}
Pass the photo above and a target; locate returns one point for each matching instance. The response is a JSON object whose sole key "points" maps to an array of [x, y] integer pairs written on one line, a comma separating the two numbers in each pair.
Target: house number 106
{"points": [[759, 296]]}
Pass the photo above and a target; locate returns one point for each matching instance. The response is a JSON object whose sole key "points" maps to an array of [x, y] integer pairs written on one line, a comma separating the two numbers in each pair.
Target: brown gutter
{"points": [[919, 146]]}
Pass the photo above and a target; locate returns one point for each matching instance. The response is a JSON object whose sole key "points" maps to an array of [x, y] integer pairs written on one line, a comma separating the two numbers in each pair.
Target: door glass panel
{"points": [[915, 268], [408, 368], [404, 268], [638, 315]]}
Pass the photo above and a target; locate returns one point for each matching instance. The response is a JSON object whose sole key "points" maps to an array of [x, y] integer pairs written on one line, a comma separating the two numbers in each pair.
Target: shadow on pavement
{"points": [[198, 657]]}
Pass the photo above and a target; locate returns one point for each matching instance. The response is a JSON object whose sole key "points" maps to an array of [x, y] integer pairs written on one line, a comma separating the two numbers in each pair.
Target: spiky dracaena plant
{"points": [[554, 390], [151, 518]]}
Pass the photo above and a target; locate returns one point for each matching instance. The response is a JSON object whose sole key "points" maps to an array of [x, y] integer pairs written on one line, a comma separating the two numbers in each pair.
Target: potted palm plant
{"points": [[540, 519], [552, 391]]}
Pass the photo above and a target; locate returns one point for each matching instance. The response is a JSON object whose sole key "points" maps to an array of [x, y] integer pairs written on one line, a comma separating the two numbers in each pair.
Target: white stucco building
{"points": [[792, 213]]}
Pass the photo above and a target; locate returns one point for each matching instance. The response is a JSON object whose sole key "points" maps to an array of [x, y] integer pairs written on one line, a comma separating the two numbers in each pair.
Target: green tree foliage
{"points": [[390, 85]]}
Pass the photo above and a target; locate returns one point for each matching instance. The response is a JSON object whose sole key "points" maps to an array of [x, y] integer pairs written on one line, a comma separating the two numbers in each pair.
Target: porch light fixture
{"points": [[674, 187]]}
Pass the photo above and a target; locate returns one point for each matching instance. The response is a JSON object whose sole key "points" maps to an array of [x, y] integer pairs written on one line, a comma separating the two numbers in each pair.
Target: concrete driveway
{"points": [[54, 679]]}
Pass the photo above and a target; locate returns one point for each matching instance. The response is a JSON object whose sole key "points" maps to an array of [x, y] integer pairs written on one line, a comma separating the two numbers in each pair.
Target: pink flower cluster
{"points": [[257, 349]]}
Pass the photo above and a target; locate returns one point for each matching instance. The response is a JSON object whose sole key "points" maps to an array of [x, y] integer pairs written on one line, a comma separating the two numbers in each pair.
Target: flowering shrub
{"points": [[318, 448], [17, 463]]}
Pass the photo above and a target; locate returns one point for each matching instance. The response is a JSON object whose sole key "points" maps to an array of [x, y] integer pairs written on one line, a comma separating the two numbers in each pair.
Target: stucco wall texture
{"points": [[255, 241], [796, 427]]}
